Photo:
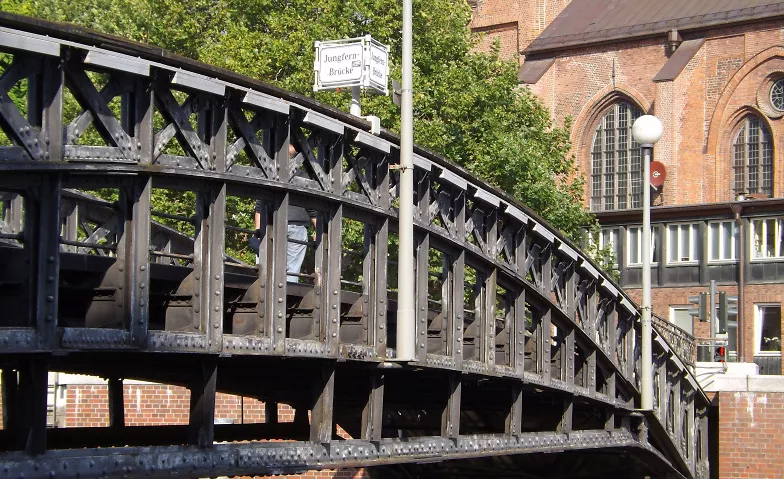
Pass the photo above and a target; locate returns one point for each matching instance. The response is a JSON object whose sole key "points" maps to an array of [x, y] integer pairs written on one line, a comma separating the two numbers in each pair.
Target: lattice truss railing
{"points": [[500, 295]]}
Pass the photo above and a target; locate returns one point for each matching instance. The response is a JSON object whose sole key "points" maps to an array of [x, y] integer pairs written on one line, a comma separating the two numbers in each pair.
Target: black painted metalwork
{"points": [[523, 346]]}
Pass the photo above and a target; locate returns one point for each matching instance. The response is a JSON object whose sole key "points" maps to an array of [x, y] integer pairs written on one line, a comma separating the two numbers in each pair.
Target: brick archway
{"points": [[724, 167], [725, 119]]}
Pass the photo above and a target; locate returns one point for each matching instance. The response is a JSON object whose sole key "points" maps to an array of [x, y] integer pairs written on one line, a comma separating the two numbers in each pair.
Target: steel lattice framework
{"points": [[524, 347]]}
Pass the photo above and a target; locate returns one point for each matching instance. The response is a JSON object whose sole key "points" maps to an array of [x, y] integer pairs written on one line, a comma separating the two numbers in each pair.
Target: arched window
{"points": [[753, 158], [616, 169]]}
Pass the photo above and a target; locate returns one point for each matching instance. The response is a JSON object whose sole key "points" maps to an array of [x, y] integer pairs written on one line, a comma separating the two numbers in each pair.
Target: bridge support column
{"points": [[514, 417], [271, 412], [28, 393], [9, 387], [450, 417], [321, 407], [609, 420], [372, 413], [116, 403], [201, 428], [565, 424]]}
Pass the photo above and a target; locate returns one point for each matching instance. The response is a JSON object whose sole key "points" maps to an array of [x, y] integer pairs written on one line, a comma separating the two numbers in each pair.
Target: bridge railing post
{"points": [[378, 329], [215, 125], [41, 239], [133, 257], [422, 251], [330, 274], [277, 269]]}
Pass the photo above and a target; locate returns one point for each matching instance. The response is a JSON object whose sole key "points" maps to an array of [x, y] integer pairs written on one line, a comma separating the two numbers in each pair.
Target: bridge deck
{"points": [[523, 347]]}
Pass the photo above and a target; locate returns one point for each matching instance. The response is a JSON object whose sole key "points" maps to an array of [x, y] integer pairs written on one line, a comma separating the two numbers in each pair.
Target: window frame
{"points": [[654, 237], [694, 250], [681, 307], [741, 151], [614, 245], [733, 242], [777, 91], [613, 179], [758, 329], [779, 222]]}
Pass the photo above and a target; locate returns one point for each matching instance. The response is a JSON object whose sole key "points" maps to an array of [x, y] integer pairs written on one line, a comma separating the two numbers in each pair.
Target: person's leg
{"points": [[295, 252]]}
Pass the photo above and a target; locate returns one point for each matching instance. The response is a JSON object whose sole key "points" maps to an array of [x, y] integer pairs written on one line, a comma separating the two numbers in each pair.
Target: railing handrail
{"points": [[683, 343]]}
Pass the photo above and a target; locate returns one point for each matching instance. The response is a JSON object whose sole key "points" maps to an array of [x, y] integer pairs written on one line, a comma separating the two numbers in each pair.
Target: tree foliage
{"points": [[468, 105]]}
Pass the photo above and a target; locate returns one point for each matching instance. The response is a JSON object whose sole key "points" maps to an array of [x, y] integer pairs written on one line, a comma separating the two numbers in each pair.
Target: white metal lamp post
{"points": [[406, 322], [647, 130]]}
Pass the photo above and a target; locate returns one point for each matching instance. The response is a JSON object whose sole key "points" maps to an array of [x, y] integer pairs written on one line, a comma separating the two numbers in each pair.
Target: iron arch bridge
{"points": [[527, 355]]}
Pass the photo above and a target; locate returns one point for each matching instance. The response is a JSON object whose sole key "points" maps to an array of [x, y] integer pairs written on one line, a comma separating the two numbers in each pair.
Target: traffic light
{"points": [[728, 305], [702, 310], [720, 354]]}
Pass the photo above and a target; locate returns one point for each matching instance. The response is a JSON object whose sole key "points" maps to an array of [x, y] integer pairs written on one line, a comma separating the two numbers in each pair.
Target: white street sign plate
{"points": [[351, 62], [341, 64], [379, 66]]}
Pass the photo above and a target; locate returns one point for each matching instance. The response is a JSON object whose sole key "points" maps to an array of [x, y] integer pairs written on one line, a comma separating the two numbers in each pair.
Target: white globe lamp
{"points": [[647, 130]]}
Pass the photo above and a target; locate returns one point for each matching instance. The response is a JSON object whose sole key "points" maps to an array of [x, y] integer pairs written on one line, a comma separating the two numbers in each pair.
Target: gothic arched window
{"points": [[752, 151], [616, 168]]}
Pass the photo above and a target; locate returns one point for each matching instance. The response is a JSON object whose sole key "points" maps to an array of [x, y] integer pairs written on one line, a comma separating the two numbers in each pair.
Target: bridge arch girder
{"points": [[523, 346]]}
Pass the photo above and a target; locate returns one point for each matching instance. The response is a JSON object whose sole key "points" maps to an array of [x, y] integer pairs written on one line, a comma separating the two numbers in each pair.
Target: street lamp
{"points": [[406, 321], [647, 130]]}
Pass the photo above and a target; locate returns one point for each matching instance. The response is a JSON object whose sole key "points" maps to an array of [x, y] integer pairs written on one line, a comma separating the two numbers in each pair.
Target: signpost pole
{"points": [[356, 108], [406, 323]]}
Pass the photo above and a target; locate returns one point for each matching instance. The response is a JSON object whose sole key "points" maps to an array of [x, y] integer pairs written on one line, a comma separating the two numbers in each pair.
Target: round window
{"points": [[777, 95]]}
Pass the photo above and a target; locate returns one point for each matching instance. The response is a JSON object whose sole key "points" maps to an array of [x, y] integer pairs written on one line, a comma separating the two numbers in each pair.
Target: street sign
{"points": [[341, 64], [352, 62], [379, 66], [658, 173]]}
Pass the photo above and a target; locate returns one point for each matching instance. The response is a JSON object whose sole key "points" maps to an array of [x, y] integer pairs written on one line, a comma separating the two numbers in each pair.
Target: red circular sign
{"points": [[658, 173]]}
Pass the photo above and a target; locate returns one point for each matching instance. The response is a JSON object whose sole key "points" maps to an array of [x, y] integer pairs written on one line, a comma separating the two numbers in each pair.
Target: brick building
{"points": [[713, 72]]}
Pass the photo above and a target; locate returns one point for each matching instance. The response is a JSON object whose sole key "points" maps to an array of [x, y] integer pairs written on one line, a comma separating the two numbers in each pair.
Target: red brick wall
{"points": [[156, 404], [514, 23], [700, 110], [754, 420]]}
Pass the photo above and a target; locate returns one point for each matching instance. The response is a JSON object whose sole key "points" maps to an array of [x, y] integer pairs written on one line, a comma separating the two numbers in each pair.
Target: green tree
{"points": [[468, 105]]}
